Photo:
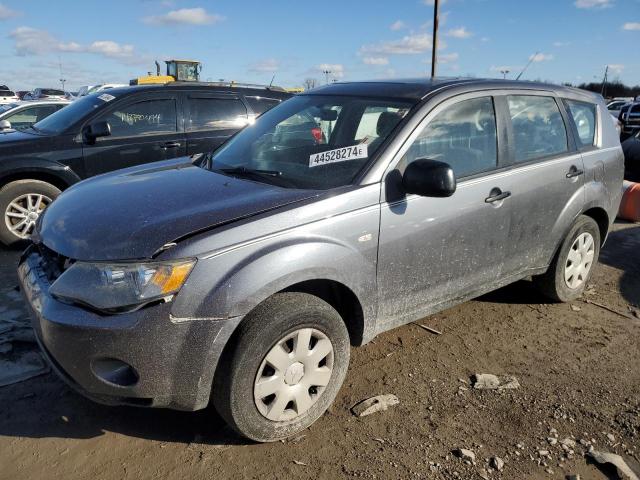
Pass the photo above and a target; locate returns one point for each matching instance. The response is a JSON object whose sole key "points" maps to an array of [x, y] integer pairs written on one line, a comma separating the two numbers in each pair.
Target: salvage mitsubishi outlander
{"points": [[243, 276]]}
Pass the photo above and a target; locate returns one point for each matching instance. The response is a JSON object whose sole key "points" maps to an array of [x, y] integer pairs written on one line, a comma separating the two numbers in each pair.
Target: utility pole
{"points": [[604, 81], [504, 73], [326, 75], [62, 79], [434, 46]]}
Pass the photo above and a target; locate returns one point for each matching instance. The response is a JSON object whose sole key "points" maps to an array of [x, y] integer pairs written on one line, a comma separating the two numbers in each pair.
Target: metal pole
{"points": [[604, 81], [434, 47]]}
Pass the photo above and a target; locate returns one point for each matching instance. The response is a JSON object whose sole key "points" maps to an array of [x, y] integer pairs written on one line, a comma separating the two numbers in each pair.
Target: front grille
{"points": [[53, 264]]}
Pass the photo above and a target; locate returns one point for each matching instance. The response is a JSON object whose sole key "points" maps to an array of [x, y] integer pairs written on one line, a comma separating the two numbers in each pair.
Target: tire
{"points": [[244, 363], [554, 283], [21, 192]]}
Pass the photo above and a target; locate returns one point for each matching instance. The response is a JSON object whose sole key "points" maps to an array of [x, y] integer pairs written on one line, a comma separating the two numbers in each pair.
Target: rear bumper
{"points": [[142, 358]]}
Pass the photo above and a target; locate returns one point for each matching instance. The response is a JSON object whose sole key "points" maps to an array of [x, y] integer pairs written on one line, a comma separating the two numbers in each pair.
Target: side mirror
{"points": [[429, 178], [97, 130], [5, 125]]}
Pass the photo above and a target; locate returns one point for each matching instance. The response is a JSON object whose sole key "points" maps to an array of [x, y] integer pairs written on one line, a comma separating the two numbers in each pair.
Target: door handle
{"points": [[574, 172], [496, 195], [167, 145]]}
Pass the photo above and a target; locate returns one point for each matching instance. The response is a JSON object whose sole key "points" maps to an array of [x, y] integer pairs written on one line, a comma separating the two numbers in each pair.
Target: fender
{"points": [[23, 166], [232, 284]]}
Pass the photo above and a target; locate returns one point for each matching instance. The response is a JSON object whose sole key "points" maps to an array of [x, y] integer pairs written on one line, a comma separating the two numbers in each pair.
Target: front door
{"points": [[435, 250], [142, 130], [211, 120]]}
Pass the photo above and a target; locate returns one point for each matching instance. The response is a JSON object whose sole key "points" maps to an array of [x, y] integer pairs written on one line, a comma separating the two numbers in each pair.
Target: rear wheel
{"points": [[572, 266], [283, 368], [21, 203]]}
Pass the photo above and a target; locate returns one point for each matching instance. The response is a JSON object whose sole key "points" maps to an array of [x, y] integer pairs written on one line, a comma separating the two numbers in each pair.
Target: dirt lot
{"points": [[577, 366]]}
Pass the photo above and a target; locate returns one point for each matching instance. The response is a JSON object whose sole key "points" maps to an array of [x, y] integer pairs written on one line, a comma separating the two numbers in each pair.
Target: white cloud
{"points": [[30, 41], [593, 4], [448, 57], [269, 65], [397, 25], [461, 32], [561, 44], [407, 45], [616, 68], [185, 16], [631, 26], [375, 61], [540, 57], [431, 3], [6, 12], [336, 69]]}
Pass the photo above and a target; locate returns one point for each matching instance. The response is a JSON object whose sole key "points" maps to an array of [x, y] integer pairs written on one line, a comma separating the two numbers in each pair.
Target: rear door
{"points": [[144, 128], [546, 178], [210, 119]]}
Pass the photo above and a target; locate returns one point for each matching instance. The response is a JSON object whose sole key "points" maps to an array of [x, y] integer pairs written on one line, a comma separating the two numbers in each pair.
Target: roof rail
{"points": [[232, 84]]}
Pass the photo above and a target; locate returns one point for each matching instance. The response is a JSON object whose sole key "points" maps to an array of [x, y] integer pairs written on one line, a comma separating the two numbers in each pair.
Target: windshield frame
{"points": [[215, 164]]}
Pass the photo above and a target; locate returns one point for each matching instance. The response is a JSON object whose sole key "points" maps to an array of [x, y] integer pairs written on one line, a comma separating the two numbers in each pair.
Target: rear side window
{"points": [[143, 118], [216, 114], [538, 128], [31, 115], [584, 116], [260, 105], [464, 136]]}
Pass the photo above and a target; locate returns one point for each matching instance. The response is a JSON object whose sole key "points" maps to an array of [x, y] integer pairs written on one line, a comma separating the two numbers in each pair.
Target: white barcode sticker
{"points": [[339, 155], [105, 97]]}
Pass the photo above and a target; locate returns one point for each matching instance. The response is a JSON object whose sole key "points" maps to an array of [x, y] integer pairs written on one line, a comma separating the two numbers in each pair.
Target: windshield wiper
{"points": [[249, 171]]}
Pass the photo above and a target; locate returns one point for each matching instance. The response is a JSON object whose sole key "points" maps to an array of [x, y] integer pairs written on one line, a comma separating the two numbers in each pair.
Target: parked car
{"points": [[45, 93], [21, 93], [117, 128], [242, 276], [615, 106], [21, 115], [84, 90], [630, 117], [8, 96], [106, 86], [631, 149]]}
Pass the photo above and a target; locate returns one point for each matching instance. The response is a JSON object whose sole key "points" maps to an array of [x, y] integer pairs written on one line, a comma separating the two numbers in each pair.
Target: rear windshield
{"points": [[311, 141], [7, 93], [61, 120], [51, 91]]}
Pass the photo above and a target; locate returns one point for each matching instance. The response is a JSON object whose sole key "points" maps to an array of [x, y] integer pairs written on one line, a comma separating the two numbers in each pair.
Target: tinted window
{"points": [[584, 116], [463, 135], [141, 118], [538, 127], [261, 104], [216, 114], [71, 114], [50, 91], [31, 115], [7, 93]]}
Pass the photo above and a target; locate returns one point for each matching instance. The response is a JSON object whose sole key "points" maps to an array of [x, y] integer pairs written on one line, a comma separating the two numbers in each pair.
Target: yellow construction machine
{"points": [[177, 71]]}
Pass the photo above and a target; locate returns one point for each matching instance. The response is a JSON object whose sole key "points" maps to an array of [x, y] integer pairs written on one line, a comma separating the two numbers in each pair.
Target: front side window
{"points": [[463, 135], [142, 118], [311, 141], [216, 114], [259, 105], [584, 116], [538, 128]]}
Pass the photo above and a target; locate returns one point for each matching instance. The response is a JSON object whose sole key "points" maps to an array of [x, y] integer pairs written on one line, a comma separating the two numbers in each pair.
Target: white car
{"points": [[106, 86], [46, 93], [21, 115], [8, 96]]}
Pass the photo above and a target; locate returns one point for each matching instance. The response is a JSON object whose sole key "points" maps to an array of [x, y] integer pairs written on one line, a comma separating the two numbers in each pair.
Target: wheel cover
{"points": [[22, 213], [579, 261], [293, 375]]}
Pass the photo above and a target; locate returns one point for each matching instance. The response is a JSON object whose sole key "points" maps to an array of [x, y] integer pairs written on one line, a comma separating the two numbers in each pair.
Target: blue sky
{"points": [[250, 40]]}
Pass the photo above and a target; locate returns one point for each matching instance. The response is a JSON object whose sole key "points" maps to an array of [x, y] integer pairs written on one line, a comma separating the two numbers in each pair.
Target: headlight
{"points": [[123, 286]]}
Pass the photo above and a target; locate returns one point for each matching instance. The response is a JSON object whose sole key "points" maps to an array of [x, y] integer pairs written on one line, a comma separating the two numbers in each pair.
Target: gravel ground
{"points": [[577, 366]]}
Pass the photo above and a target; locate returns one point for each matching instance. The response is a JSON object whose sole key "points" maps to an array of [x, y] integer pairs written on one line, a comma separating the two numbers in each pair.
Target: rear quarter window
{"points": [[210, 113], [585, 118]]}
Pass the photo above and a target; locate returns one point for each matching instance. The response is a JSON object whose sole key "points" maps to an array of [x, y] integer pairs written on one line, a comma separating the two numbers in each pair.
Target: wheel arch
{"points": [[59, 176], [601, 217]]}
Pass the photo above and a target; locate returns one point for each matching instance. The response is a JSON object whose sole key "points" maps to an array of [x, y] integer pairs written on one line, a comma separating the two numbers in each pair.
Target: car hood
{"points": [[133, 213]]}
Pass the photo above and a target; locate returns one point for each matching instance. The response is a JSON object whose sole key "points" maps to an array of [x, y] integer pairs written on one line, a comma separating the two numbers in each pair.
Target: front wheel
{"points": [[283, 368], [572, 266], [21, 203]]}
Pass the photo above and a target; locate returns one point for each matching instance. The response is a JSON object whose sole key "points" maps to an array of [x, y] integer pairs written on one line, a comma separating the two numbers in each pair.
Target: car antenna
{"points": [[272, 79], [533, 57]]}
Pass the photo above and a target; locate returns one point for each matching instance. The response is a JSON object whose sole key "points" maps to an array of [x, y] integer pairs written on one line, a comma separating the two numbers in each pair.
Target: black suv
{"points": [[116, 129]]}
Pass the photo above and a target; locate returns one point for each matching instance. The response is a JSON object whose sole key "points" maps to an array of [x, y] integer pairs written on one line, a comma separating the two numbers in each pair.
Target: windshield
{"points": [[62, 119], [311, 141], [50, 91]]}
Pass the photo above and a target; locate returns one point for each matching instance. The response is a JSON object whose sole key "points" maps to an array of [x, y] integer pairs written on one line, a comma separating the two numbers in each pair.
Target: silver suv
{"points": [[243, 276]]}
